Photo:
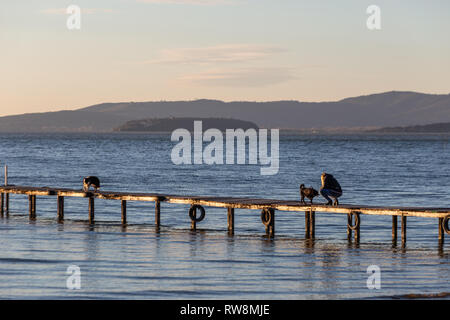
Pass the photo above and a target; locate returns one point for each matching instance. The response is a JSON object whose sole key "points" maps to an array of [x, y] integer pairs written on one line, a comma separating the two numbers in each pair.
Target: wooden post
{"points": [[7, 194], [60, 208], [403, 230], [394, 229], [312, 224], [157, 213], [193, 225], [307, 226], [230, 220], [358, 226], [441, 230], [91, 210], [32, 206], [2, 204], [271, 226], [124, 212], [7, 204], [349, 223]]}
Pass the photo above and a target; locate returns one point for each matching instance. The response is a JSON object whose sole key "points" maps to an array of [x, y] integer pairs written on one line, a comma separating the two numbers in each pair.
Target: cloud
{"points": [[240, 77], [227, 65], [227, 53]]}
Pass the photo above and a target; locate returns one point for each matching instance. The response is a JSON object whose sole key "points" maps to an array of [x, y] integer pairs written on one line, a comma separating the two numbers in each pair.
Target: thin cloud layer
{"points": [[226, 53], [240, 77]]}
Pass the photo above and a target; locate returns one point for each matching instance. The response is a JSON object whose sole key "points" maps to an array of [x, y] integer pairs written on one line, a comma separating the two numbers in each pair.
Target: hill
{"points": [[376, 110]]}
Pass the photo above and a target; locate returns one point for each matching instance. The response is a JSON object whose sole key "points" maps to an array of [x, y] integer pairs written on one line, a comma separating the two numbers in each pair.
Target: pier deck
{"points": [[268, 207]]}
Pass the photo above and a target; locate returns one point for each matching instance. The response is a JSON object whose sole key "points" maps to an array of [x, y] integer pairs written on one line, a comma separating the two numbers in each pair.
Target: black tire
{"points": [[357, 221], [445, 224], [266, 216], [193, 213]]}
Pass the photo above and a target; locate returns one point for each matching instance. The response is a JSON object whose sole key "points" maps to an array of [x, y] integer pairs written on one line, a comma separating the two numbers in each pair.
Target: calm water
{"points": [[137, 262]]}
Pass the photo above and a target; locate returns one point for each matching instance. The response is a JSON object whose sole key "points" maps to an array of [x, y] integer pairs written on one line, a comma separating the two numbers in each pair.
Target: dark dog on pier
{"points": [[309, 193], [91, 181]]}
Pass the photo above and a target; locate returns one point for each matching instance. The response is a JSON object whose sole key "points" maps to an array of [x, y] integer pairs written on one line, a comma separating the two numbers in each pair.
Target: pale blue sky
{"points": [[144, 50]]}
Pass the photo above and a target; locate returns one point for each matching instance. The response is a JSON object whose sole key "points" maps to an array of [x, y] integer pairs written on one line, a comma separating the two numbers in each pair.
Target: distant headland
{"points": [[171, 124], [429, 128]]}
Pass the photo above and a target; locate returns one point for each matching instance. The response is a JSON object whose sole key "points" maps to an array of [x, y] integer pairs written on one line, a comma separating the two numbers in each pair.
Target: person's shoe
{"points": [[329, 203]]}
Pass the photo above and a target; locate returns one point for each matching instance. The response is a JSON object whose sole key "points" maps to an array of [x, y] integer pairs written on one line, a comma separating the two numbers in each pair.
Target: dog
{"points": [[309, 193], [91, 181]]}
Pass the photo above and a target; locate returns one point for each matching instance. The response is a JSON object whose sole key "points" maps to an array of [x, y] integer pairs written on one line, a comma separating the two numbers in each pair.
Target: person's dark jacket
{"points": [[331, 183]]}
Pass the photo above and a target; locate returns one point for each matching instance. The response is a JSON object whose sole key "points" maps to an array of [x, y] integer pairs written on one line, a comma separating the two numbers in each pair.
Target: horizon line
{"points": [[230, 101]]}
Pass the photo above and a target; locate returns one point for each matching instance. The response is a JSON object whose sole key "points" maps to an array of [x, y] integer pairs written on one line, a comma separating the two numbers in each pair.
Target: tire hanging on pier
{"points": [[445, 224], [266, 216], [193, 213], [349, 220]]}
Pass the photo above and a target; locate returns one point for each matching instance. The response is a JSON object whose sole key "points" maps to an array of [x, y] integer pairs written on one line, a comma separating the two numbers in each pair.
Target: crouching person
{"points": [[330, 189]]}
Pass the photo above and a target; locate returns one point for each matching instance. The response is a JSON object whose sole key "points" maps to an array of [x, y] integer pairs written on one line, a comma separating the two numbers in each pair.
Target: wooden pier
{"points": [[268, 209]]}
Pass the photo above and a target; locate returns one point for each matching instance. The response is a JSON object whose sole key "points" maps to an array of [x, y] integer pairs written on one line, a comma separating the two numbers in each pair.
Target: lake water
{"points": [[139, 262]]}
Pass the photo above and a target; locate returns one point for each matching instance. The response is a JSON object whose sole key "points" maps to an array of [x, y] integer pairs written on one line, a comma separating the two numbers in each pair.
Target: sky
{"points": [[230, 50]]}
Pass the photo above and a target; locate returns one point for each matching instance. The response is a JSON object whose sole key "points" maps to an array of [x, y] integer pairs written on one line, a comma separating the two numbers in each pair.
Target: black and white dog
{"points": [[91, 181]]}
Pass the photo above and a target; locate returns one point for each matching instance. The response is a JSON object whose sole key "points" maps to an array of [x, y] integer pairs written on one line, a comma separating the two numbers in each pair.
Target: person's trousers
{"points": [[327, 193]]}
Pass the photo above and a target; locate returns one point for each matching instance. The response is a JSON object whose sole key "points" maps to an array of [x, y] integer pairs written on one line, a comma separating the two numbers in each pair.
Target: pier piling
{"points": [[32, 206], [91, 210], [193, 215], [157, 213], [7, 204], [2, 204], [312, 224], [394, 230], [349, 229], [307, 226], [60, 208], [7, 194], [403, 222], [353, 226], [268, 219], [358, 227], [230, 220], [124, 212]]}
